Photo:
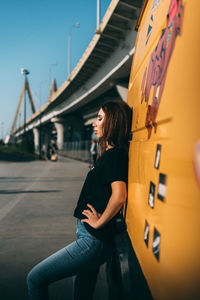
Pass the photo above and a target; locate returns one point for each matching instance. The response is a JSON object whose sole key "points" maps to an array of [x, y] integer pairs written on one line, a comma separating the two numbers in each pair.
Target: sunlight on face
{"points": [[98, 124]]}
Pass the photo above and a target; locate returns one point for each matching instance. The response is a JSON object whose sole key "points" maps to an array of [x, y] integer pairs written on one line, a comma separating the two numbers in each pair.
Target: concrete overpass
{"points": [[101, 74]]}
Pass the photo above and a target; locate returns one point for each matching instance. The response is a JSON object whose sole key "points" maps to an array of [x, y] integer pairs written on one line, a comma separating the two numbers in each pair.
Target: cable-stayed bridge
{"points": [[101, 74]]}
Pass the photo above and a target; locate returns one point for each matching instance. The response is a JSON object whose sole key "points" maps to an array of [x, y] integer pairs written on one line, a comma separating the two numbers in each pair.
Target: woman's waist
{"points": [[82, 231], [98, 206]]}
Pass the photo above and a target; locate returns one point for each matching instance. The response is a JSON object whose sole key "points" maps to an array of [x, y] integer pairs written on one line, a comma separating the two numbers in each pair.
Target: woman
{"points": [[102, 196]]}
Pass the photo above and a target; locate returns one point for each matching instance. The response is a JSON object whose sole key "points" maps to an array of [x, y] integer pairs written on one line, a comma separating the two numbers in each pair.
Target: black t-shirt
{"points": [[111, 166]]}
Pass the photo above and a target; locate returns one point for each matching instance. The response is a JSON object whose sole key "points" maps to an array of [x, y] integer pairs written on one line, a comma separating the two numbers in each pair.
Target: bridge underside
{"points": [[102, 74]]}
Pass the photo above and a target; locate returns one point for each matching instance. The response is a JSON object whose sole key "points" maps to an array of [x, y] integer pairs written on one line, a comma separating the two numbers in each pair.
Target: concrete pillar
{"points": [[60, 131], [36, 134], [122, 91]]}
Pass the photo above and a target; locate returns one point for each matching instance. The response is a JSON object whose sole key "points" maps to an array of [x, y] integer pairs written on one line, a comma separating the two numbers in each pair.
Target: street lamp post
{"points": [[40, 94], [98, 14], [50, 71], [25, 73], [77, 25]]}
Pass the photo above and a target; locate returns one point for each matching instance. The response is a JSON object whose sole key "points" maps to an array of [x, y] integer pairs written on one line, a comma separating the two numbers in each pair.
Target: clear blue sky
{"points": [[33, 35]]}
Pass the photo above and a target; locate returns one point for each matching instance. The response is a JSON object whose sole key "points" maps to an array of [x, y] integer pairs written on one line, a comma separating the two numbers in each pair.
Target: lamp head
{"points": [[24, 71]]}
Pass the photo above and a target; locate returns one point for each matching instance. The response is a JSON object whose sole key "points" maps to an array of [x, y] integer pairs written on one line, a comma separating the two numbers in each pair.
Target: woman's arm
{"points": [[117, 199]]}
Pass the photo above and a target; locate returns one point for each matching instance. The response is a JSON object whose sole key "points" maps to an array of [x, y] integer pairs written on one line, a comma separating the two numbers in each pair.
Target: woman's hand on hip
{"points": [[92, 216]]}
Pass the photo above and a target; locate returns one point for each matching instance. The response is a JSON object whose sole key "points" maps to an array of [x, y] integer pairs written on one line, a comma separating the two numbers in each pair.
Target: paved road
{"points": [[37, 200]]}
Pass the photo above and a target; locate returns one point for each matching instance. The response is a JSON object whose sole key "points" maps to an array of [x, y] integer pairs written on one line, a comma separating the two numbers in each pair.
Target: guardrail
{"points": [[77, 150]]}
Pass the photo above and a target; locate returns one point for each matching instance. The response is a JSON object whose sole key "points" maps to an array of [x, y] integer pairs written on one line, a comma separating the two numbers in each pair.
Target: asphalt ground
{"points": [[37, 200]]}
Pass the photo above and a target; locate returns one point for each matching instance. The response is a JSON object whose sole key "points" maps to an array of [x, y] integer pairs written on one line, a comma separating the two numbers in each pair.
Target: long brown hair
{"points": [[116, 126]]}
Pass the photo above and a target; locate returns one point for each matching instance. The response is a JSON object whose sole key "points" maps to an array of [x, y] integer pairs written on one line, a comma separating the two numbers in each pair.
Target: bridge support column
{"points": [[60, 131], [122, 91], [36, 134]]}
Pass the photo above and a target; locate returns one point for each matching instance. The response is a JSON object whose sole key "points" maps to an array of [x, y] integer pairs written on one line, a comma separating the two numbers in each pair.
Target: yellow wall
{"points": [[176, 274]]}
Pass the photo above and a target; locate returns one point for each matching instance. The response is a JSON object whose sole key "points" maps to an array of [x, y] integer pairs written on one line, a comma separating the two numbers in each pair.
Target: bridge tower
{"points": [[26, 88]]}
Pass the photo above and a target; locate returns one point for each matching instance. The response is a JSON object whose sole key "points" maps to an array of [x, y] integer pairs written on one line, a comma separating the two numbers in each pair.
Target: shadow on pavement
{"points": [[7, 158], [27, 192], [43, 179]]}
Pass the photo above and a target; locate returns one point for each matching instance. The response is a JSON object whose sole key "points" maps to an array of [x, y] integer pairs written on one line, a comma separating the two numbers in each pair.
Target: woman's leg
{"points": [[83, 255]]}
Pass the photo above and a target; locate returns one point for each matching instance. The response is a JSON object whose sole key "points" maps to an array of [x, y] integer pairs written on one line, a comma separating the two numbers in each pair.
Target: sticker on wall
{"points": [[162, 187], [159, 61], [157, 159], [151, 194], [146, 233], [197, 161], [156, 244]]}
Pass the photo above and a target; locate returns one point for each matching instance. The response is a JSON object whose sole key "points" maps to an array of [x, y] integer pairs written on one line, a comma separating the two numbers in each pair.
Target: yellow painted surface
{"points": [[176, 275]]}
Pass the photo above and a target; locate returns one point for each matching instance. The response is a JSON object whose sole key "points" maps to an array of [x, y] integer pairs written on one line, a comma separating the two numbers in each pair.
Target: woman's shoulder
{"points": [[116, 150], [112, 154], [115, 154], [115, 165]]}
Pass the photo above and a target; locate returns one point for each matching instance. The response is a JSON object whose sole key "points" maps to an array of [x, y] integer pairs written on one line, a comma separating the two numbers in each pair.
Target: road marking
{"points": [[8, 207]]}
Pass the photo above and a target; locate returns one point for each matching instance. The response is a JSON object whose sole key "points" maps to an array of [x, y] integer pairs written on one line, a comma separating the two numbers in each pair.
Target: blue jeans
{"points": [[81, 259]]}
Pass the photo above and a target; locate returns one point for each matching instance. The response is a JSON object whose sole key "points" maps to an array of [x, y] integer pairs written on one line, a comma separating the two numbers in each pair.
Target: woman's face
{"points": [[98, 124]]}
